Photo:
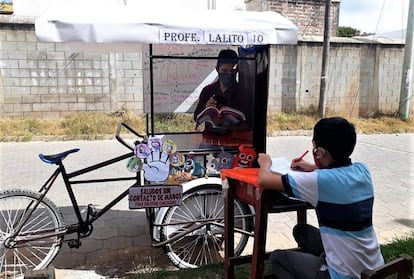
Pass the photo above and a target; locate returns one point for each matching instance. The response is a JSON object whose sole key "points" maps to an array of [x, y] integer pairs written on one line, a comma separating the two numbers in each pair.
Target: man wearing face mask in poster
{"points": [[224, 91]]}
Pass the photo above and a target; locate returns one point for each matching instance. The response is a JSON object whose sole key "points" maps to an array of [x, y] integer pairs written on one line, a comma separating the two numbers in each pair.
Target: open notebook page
{"points": [[281, 165]]}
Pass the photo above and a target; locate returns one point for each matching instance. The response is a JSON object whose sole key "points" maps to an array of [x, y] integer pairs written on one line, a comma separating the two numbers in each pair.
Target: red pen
{"points": [[298, 160], [301, 157]]}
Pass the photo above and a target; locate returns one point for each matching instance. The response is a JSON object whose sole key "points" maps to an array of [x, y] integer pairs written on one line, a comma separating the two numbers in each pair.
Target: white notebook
{"points": [[280, 165]]}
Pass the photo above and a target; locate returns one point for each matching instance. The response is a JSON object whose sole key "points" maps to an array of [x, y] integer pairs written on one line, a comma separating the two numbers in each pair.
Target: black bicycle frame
{"points": [[83, 224], [67, 178]]}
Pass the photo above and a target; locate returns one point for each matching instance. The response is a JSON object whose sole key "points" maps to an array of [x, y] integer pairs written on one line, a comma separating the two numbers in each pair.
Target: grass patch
{"points": [[85, 125], [170, 122], [212, 271], [290, 122], [390, 252], [92, 125], [382, 124]]}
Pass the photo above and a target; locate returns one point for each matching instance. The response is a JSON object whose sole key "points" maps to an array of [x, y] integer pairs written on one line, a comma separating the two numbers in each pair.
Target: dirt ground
{"points": [[131, 262]]}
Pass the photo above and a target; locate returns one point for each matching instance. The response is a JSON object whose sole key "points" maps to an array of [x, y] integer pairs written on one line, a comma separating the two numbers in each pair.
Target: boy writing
{"points": [[342, 194]]}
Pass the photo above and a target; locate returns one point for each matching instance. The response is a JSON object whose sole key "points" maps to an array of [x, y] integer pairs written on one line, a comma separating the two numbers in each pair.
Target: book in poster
{"points": [[222, 118]]}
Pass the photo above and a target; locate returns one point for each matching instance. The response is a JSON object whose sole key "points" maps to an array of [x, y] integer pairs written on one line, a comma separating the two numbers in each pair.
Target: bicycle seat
{"points": [[56, 158]]}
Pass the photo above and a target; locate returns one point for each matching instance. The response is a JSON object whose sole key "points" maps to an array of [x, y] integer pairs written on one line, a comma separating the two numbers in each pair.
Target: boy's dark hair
{"points": [[227, 56], [336, 135]]}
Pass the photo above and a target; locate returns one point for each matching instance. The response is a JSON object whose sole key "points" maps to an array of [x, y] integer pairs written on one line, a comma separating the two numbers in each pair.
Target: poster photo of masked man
{"points": [[218, 104]]}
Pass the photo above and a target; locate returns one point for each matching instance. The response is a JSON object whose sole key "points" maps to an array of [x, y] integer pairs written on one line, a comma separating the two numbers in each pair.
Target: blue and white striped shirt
{"points": [[343, 199]]}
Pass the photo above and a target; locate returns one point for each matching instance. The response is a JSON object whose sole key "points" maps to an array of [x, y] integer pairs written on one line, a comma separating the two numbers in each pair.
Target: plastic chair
{"points": [[402, 267]]}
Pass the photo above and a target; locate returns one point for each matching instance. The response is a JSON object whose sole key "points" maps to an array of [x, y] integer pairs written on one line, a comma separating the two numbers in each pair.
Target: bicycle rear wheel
{"points": [[201, 211], [32, 248]]}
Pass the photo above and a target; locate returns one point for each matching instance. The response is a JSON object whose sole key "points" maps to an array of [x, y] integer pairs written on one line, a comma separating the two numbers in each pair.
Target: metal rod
{"points": [[407, 73]]}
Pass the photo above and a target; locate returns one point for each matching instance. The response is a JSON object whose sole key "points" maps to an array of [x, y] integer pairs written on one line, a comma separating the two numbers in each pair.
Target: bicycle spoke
{"points": [[31, 245], [186, 249], [33, 221], [193, 251], [7, 219], [204, 252], [183, 215], [19, 263], [201, 245], [217, 208]]}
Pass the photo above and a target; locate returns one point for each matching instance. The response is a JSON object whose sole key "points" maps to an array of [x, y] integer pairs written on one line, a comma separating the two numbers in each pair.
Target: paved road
{"points": [[124, 232]]}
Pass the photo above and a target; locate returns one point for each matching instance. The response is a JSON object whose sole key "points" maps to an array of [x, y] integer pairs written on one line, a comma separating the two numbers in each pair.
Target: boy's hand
{"points": [[264, 161], [302, 165]]}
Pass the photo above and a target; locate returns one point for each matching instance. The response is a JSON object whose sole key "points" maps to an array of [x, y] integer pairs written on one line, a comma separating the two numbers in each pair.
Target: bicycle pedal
{"points": [[74, 243]]}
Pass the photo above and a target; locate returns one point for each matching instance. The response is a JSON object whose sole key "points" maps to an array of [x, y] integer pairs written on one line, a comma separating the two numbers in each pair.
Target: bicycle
{"points": [[32, 227]]}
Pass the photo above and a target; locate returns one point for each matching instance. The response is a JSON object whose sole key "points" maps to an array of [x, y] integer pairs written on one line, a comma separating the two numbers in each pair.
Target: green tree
{"points": [[346, 31]]}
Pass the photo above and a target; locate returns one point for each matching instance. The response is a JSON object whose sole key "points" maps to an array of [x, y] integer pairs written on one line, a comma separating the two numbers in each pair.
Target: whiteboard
{"points": [[179, 79]]}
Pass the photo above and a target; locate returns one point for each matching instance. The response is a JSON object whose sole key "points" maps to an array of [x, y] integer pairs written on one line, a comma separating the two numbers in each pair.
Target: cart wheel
{"points": [[201, 214]]}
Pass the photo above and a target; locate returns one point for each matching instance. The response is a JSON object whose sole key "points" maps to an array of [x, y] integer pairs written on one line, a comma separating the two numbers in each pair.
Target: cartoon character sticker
{"points": [[211, 164], [177, 159], [245, 158], [142, 151], [169, 147], [179, 177], [154, 143], [193, 167], [224, 161], [154, 159], [134, 164]]}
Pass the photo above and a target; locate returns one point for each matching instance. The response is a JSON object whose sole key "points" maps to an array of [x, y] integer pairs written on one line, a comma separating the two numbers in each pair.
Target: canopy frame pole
{"points": [[151, 89]]}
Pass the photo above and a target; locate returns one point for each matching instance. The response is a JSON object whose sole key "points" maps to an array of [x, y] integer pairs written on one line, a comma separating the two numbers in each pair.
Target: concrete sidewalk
{"points": [[124, 232]]}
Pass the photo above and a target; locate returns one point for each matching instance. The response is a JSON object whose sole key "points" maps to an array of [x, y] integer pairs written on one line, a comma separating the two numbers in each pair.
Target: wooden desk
{"points": [[241, 184]]}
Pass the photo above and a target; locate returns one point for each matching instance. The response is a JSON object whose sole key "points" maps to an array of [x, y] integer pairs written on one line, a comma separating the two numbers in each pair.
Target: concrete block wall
{"points": [[390, 63], [363, 79], [50, 80]]}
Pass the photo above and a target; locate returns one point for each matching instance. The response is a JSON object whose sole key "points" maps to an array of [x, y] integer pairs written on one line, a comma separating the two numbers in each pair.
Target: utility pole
{"points": [[407, 72], [325, 57]]}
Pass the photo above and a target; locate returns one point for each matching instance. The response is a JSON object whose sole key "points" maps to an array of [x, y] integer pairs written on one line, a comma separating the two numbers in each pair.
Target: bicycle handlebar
{"points": [[122, 141]]}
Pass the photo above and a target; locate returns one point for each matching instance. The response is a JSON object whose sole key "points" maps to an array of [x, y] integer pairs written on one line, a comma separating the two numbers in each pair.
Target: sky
{"points": [[369, 16], [374, 16]]}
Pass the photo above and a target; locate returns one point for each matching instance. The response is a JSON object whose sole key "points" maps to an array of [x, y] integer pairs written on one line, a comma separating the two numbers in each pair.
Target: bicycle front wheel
{"points": [[195, 229], [39, 238]]}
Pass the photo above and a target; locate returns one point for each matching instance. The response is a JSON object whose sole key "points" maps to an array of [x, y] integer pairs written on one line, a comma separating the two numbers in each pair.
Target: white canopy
{"points": [[124, 24]]}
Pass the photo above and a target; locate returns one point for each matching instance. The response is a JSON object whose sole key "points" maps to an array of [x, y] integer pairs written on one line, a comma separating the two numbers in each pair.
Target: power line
{"points": [[380, 16]]}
